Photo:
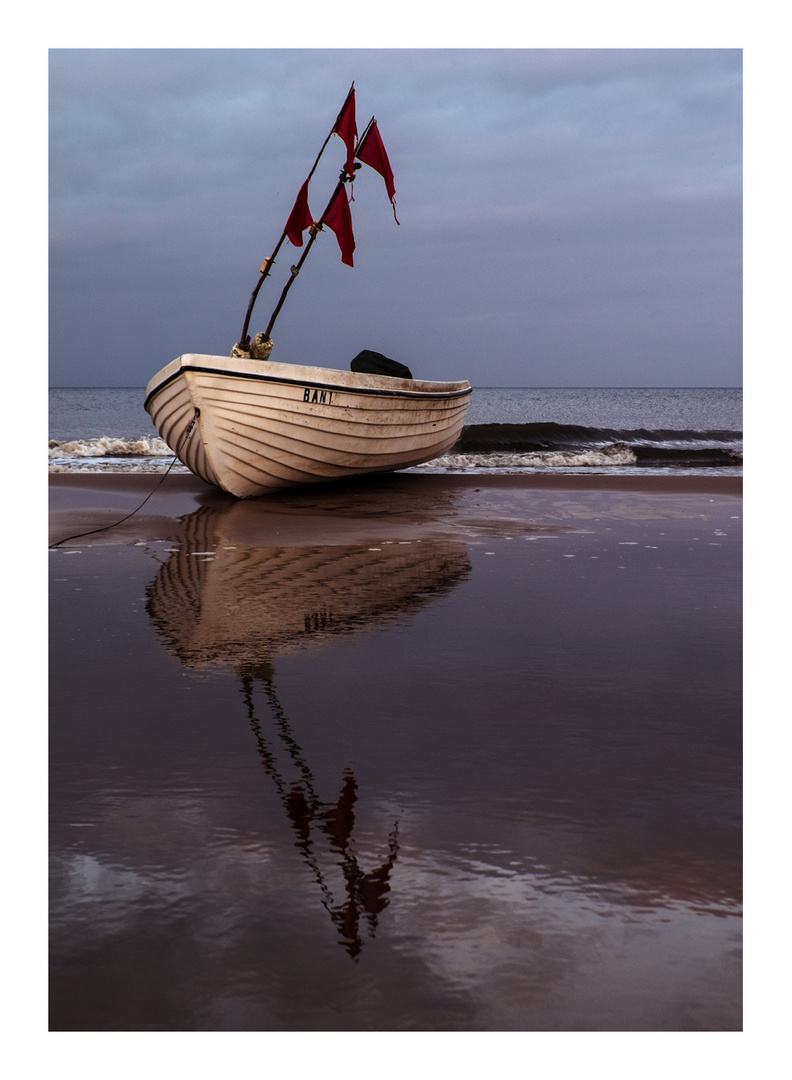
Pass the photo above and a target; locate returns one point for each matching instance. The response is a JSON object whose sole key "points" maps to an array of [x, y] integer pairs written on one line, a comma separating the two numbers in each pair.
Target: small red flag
{"points": [[338, 217], [300, 218], [373, 153], [346, 127]]}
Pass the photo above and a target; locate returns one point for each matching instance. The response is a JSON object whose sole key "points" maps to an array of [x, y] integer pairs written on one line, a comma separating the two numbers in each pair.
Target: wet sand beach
{"points": [[91, 501], [418, 752]]}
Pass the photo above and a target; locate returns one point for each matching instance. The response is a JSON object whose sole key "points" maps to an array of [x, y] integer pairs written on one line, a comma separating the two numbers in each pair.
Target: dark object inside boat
{"points": [[374, 363]]}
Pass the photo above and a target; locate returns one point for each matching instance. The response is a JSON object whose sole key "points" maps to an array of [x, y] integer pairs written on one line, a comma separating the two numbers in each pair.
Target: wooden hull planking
{"points": [[262, 426]]}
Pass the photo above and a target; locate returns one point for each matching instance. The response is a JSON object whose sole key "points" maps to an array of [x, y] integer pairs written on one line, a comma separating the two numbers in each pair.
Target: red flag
{"points": [[300, 218], [338, 217], [346, 127], [373, 153]]}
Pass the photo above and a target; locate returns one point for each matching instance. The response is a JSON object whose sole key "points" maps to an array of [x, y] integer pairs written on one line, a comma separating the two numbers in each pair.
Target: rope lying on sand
{"points": [[126, 517]]}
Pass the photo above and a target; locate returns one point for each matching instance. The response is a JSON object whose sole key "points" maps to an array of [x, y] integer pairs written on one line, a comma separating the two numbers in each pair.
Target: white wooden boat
{"points": [[252, 427]]}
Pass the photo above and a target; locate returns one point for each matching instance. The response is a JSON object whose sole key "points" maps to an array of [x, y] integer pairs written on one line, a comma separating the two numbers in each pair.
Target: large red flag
{"points": [[346, 127], [338, 217], [300, 218], [373, 153]]}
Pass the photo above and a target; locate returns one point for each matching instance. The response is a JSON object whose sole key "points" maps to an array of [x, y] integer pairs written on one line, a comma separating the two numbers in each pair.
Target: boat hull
{"points": [[252, 427]]}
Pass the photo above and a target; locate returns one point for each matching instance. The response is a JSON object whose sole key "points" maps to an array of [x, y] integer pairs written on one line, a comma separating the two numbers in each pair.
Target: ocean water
{"points": [[508, 430]]}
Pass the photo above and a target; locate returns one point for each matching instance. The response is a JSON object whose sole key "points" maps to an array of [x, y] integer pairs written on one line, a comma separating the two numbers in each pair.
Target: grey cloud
{"points": [[568, 217]]}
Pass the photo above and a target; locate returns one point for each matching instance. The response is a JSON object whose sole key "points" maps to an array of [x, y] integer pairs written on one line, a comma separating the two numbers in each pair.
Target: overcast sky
{"points": [[568, 217]]}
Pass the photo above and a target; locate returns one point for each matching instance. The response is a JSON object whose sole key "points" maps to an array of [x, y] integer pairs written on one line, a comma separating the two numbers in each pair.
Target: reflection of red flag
{"points": [[339, 218], [346, 127], [373, 153], [300, 218]]}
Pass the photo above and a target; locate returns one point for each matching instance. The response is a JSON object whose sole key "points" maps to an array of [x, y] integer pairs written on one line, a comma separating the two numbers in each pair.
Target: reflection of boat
{"points": [[251, 427], [220, 600]]}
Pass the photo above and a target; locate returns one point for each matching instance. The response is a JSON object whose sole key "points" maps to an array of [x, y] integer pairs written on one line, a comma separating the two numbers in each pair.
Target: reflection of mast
{"points": [[366, 893]]}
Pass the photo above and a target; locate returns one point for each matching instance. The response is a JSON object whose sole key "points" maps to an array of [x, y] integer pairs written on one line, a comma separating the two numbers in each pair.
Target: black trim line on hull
{"points": [[335, 387]]}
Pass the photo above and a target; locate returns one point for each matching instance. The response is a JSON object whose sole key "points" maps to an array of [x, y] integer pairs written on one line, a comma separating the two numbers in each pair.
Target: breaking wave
{"points": [[481, 447], [110, 454], [106, 446], [549, 445]]}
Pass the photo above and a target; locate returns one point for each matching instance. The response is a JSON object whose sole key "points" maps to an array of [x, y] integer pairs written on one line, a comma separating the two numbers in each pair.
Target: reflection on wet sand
{"points": [[221, 600], [558, 738], [323, 828]]}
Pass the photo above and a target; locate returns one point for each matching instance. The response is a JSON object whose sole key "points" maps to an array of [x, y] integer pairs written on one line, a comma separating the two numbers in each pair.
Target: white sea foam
{"points": [[551, 459], [112, 455], [107, 446], [117, 465]]}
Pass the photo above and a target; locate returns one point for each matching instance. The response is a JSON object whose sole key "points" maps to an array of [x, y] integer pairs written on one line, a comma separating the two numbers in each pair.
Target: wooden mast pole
{"points": [[244, 339], [315, 228]]}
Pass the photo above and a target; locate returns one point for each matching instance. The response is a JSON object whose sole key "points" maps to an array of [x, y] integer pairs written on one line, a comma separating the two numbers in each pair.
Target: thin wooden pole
{"points": [[314, 230], [244, 339]]}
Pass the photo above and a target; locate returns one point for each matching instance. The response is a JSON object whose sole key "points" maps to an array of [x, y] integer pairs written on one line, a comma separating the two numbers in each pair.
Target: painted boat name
{"points": [[318, 397]]}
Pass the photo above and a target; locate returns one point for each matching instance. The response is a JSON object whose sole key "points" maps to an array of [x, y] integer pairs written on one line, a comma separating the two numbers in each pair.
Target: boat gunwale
{"points": [[287, 381]]}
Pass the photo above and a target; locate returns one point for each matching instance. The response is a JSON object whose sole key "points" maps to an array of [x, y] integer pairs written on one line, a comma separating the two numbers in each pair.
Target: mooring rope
{"points": [[126, 517]]}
